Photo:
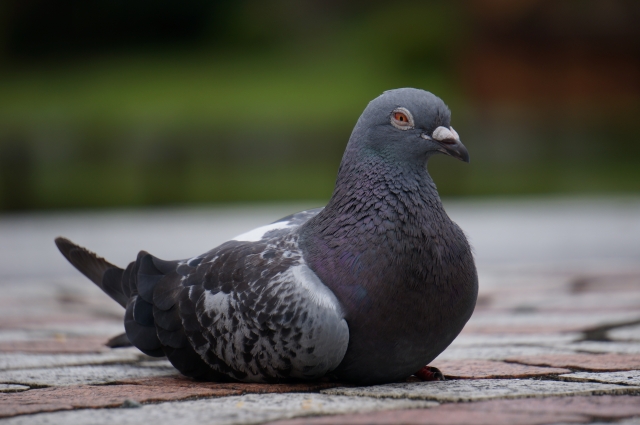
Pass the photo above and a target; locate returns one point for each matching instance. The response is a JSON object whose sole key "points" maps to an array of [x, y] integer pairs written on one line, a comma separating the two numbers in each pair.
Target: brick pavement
{"points": [[551, 341]]}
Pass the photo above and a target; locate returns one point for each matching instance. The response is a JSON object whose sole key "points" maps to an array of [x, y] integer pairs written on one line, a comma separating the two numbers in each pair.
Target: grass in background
{"points": [[246, 123]]}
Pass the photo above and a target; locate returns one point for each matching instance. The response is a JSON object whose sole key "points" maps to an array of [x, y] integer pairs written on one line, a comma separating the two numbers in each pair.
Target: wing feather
{"points": [[247, 310]]}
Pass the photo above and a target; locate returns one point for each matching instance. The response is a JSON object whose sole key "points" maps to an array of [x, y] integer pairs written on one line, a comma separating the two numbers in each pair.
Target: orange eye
{"points": [[399, 116], [401, 119]]}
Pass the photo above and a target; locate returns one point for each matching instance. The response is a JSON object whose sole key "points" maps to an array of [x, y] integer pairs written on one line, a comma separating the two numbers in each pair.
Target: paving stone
{"points": [[503, 281], [630, 421], [483, 369], [246, 409], [107, 329], [469, 339], [629, 377], [604, 406], [29, 361], [78, 397], [440, 415], [28, 309], [77, 375], [627, 333], [240, 387], [48, 318], [489, 329], [595, 362], [498, 352], [8, 335], [543, 322], [12, 388], [604, 347], [552, 410], [523, 312], [61, 344], [33, 321], [482, 389], [543, 303], [607, 283], [140, 390]]}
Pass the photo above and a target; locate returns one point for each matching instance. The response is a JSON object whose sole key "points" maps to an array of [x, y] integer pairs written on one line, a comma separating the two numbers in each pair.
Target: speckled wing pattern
{"points": [[250, 309]]}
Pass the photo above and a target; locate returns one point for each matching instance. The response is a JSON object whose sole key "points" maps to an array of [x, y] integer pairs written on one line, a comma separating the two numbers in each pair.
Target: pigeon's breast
{"points": [[405, 300]]}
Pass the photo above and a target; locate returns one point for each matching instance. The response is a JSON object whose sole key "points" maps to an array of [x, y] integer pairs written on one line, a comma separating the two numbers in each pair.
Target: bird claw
{"points": [[429, 373]]}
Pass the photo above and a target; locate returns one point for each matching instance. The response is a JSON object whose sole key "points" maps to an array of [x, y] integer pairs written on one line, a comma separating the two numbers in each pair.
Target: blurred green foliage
{"points": [[256, 103]]}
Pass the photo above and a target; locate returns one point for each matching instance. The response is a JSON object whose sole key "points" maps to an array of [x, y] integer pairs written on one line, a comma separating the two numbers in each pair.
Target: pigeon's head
{"points": [[407, 125]]}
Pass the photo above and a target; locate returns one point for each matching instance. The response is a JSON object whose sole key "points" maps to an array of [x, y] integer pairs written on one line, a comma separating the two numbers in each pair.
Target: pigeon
{"points": [[367, 290]]}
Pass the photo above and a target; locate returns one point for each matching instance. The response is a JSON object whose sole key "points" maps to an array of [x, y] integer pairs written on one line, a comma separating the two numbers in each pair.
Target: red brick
{"points": [[595, 362], [141, 390], [606, 284], [479, 369], [605, 406], [489, 329], [95, 396], [496, 412], [184, 382]]}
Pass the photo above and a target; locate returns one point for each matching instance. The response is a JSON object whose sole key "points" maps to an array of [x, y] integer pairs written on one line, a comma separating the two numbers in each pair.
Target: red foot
{"points": [[430, 373]]}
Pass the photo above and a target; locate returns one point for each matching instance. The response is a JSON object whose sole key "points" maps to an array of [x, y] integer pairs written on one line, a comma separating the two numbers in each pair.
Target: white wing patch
{"points": [[256, 235], [218, 303]]}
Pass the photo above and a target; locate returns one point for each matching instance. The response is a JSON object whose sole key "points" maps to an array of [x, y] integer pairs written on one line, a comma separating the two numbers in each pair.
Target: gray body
{"points": [[369, 289]]}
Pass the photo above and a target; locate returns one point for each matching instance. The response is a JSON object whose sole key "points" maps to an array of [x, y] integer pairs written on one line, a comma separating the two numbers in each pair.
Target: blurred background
{"points": [[115, 103]]}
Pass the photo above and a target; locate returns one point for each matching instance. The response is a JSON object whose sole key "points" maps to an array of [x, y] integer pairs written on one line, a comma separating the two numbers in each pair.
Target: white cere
{"points": [[455, 133], [444, 133]]}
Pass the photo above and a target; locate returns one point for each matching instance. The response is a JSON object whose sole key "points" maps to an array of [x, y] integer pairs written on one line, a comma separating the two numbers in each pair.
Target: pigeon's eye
{"points": [[401, 119], [399, 116]]}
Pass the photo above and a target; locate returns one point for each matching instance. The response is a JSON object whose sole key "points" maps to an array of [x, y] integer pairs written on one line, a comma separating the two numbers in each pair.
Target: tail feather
{"points": [[107, 276], [149, 289], [118, 341]]}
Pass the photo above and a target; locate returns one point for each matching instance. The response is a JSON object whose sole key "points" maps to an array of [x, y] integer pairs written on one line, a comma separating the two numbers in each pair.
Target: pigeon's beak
{"points": [[456, 150], [449, 142]]}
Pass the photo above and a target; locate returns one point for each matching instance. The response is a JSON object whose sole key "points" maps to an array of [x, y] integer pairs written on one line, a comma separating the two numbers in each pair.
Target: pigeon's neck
{"points": [[392, 207], [403, 194]]}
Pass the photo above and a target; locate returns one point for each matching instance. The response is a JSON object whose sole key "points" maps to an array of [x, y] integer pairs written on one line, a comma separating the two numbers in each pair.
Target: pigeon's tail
{"points": [[104, 274], [149, 288]]}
